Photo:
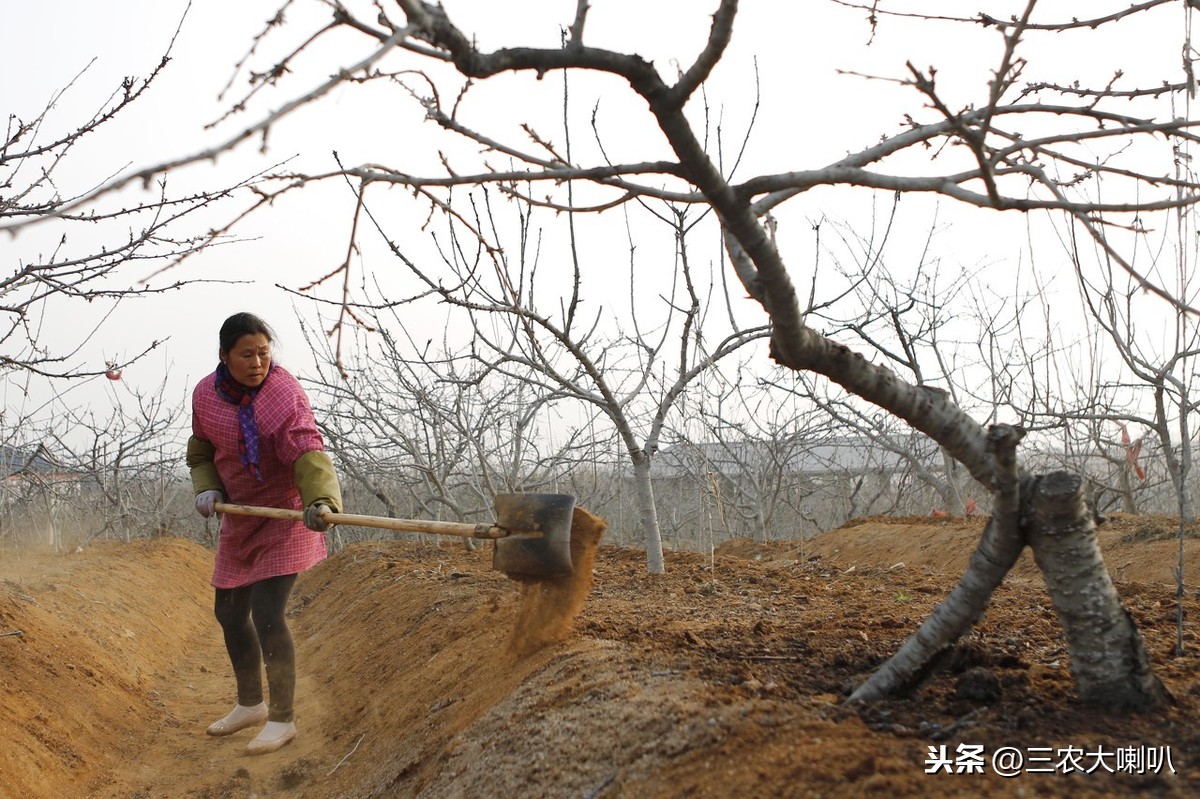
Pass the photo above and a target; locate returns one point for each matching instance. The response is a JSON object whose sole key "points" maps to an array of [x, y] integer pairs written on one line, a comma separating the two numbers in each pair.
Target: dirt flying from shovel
{"points": [[548, 606]]}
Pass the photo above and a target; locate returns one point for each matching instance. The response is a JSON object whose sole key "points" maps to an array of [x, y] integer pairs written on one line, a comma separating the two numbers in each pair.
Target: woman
{"points": [[255, 442]]}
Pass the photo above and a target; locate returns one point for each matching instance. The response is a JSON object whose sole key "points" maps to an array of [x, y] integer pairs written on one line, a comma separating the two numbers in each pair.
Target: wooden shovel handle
{"points": [[460, 529]]}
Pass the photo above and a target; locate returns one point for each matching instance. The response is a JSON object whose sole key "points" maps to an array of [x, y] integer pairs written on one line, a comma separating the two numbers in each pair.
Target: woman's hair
{"points": [[241, 324]]}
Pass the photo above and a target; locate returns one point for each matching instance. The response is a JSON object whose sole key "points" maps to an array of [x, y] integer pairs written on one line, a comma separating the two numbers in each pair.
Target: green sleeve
{"points": [[200, 455], [317, 480]]}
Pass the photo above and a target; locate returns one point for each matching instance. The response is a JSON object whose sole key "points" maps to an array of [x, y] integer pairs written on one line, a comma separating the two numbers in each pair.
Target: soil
{"points": [[423, 672]]}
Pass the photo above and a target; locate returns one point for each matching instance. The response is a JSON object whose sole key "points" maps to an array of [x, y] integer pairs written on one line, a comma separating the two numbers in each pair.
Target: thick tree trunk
{"points": [[648, 515], [1108, 655]]}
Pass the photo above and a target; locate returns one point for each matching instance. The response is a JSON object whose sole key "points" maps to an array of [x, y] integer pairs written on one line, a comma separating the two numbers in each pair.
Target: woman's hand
{"points": [[313, 517], [206, 502]]}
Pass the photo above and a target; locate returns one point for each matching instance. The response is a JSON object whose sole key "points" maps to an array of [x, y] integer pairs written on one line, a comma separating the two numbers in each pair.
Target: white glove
{"points": [[206, 501], [312, 517]]}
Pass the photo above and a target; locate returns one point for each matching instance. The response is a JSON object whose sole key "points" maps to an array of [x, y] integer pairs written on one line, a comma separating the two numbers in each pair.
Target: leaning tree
{"points": [[1104, 158], [988, 161]]}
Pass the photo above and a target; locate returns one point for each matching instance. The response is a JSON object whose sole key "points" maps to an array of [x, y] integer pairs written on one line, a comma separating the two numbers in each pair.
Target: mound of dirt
{"points": [[1136, 548], [723, 677], [97, 633]]}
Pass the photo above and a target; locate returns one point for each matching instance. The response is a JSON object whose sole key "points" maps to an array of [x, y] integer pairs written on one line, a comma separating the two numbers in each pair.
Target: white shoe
{"points": [[273, 736], [239, 718]]}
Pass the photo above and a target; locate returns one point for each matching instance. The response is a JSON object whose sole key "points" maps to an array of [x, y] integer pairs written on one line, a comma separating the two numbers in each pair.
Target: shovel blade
{"points": [[541, 524]]}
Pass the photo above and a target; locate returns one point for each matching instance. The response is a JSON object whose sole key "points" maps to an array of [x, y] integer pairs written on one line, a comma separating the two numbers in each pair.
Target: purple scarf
{"points": [[235, 393]]}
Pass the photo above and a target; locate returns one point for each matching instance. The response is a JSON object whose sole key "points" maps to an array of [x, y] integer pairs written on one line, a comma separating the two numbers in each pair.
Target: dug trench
{"points": [[422, 672]]}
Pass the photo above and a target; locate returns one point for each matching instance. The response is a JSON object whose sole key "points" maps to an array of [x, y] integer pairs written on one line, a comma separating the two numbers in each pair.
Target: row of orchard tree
{"points": [[742, 457], [628, 277], [740, 453]]}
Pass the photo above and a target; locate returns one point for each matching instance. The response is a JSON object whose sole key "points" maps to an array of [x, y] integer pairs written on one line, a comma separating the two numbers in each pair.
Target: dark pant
{"points": [[256, 631]]}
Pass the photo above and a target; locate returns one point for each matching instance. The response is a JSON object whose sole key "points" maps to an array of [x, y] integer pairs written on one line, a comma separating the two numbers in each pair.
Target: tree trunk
{"points": [[1108, 656], [1128, 505], [759, 519], [1187, 507], [952, 499], [1178, 466], [648, 514], [998, 550]]}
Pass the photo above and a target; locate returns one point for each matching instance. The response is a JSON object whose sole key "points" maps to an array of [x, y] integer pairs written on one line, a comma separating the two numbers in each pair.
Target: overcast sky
{"points": [[811, 113]]}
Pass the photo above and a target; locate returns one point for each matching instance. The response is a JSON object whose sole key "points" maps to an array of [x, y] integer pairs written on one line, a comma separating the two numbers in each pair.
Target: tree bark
{"points": [[995, 555], [1108, 656], [648, 515]]}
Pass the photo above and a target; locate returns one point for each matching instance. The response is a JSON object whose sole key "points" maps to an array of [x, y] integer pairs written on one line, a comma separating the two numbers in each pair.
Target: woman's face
{"points": [[249, 359]]}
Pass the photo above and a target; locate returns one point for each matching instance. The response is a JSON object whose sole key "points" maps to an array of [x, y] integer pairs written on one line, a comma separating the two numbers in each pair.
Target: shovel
{"points": [[532, 531]]}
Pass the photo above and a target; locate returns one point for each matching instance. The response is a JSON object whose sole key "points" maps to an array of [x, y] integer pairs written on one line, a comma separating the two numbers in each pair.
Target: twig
{"points": [[352, 751], [14, 634], [598, 789]]}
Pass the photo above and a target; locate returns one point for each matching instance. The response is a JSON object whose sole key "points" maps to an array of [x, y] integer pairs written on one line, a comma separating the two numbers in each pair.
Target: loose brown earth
{"points": [[724, 677]]}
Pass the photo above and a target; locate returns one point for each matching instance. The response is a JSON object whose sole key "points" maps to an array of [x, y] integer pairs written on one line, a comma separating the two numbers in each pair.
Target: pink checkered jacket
{"points": [[250, 548]]}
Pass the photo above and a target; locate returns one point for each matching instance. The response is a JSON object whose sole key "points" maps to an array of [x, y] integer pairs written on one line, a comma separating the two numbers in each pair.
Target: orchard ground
{"points": [[724, 677]]}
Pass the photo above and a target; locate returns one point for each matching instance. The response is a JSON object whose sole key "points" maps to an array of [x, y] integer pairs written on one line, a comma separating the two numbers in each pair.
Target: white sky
{"points": [[810, 115]]}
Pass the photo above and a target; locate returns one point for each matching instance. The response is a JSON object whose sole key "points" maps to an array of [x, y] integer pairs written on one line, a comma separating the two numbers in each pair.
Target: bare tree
{"points": [[1023, 147], [1168, 376], [775, 464], [428, 435], [98, 472], [912, 327], [1111, 396], [36, 491], [633, 377], [736, 446], [127, 461], [73, 262]]}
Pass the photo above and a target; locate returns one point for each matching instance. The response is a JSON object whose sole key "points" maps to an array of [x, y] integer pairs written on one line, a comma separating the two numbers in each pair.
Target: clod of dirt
{"points": [[295, 774], [549, 606], [978, 685]]}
